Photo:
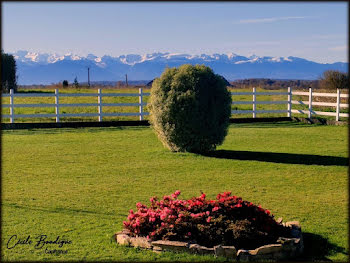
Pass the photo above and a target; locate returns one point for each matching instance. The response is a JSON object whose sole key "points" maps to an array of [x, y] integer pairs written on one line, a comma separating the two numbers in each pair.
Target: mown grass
{"points": [[135, 109], [81, 183]]}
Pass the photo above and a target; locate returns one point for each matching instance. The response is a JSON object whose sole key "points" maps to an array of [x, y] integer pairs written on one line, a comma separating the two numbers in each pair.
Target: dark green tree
{"points": [[65, 84], [8, 72], [76, 83]]}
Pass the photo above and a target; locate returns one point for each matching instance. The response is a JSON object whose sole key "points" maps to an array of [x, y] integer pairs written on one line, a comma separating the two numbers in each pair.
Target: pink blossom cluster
{"points": [[184, 219]]}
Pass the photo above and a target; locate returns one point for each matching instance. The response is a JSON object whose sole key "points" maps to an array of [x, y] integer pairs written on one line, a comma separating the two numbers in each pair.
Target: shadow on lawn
{"points": [[317, 248], [282, 124], [36, 131], [288, 158], [63, 210], [35, 91]]}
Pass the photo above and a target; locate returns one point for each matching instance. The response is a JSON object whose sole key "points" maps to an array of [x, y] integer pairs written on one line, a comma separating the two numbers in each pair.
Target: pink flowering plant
{"points": [[227, 220]]}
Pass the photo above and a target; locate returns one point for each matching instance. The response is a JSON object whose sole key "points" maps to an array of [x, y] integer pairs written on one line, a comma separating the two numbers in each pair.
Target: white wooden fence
{"points": [[255, 102], [310, 112], [338, 105], [141, 113], [57, 105]]}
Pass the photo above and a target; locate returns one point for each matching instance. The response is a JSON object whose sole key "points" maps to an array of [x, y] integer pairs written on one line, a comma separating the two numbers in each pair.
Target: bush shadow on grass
{"points": [[318, 248], [287, 158]]}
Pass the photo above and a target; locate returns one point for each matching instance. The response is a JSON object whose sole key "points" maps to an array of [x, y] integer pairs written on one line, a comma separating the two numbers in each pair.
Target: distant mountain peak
{"points": [[132, 59], [37, 68]]}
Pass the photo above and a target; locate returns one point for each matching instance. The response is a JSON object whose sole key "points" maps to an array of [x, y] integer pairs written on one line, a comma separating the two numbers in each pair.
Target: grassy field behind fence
{"points": [[81, 183], [136, 109]]}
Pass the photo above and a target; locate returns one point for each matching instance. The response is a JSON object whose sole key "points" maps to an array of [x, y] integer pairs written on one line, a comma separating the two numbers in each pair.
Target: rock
{"points": [[230, 252], [201, 250], [291, 247], [253, 252], [140, 242], [243, 255], [268, 249], [268, 252], [288, 243], [123, 239], [225, 251], [219, 251], [182, 246], [172, 245], [294, 225], [206, 250], [157, 249]]}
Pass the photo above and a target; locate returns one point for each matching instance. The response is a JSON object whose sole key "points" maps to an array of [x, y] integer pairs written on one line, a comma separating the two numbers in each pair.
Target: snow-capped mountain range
{"points": [[42, 68]]}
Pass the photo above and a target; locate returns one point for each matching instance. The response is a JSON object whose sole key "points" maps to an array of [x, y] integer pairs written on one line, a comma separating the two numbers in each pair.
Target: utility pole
{"points": [[89, 76], [126, 79]]}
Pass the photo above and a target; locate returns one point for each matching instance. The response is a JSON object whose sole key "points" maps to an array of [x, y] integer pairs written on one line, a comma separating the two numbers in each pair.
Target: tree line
{"points": [[330, 80]]}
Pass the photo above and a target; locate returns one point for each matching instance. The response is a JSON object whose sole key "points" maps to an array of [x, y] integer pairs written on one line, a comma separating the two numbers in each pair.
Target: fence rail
{"points": [[310, 112], [141, 113], [255, 102], [57, 105]]}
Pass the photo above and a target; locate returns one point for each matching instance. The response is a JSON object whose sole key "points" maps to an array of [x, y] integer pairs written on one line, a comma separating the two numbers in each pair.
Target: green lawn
{"points": [[81, 183]]}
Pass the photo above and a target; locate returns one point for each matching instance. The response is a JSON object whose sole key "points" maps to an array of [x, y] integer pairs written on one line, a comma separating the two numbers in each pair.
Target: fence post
{"points": [[254, 102], [310, 102], [338, 105], [140, 103], [12, 110], [57, 109], [289, 114], [99, 105]]}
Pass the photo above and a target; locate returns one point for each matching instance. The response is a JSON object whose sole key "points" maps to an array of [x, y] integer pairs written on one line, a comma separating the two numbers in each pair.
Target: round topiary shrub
{"points": [[190, 108]]}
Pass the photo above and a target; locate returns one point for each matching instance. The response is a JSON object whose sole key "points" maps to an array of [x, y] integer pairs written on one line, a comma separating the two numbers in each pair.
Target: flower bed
{"points": [[227, 226]]}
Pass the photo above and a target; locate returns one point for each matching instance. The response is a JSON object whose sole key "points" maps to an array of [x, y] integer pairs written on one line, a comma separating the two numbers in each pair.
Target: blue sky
{"points": [[316, 31]]}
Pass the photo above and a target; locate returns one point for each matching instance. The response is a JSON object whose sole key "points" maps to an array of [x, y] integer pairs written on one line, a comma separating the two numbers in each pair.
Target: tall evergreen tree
{"points": [[76, 83], [8, 72]]}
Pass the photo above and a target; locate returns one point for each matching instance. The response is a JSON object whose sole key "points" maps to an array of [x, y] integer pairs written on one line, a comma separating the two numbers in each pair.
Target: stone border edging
{"points": [[284, 249]]}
